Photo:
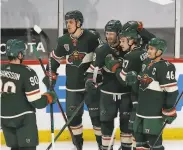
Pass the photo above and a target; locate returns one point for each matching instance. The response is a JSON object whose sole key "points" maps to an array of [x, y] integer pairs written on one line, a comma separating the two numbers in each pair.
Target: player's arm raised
{"points": [[168, 84], [33, 94], [138, 26]]}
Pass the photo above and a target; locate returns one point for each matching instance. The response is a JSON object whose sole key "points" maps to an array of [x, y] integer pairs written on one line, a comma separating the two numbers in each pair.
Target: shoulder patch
{"points": [[167, 63], [92, 31], [27, 67], [66, 46]]}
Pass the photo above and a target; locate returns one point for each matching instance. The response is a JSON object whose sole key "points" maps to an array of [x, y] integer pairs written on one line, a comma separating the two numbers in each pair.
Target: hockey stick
{"points": [[165, 122], [116, 125], [51, 105], [68, 122], [42, 34], [59, 105]]}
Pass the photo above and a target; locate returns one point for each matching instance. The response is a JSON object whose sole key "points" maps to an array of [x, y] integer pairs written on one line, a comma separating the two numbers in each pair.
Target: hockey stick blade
{"points": [[68, 122], [164, 124], [43, 35], [37, 29]]}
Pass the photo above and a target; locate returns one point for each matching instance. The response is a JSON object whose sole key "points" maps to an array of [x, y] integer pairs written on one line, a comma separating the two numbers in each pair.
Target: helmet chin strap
{"points": [[156, 56], [129, 45], [116, 43], [75, 29], [21, 60]]}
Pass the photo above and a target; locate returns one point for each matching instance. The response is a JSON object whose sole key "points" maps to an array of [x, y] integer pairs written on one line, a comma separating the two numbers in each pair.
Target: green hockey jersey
{"points": [[157, 88], [110, 82], [78, 54], [19, 90], [132, 61]]}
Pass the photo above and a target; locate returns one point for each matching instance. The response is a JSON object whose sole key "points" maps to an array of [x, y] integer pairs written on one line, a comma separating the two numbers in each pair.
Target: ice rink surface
{"points": [[169, 145]]}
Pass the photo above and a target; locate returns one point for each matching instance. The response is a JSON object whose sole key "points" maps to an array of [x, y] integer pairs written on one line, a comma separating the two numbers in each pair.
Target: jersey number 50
{"points": [[7, 85]]}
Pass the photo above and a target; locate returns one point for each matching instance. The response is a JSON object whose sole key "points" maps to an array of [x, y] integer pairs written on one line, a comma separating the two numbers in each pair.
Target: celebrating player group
{"points": [[123, 75]]}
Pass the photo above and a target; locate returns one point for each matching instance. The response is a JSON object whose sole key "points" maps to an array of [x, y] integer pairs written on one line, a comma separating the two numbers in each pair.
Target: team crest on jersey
{"points": [[145, 80], [76, 58], [66, 46]]}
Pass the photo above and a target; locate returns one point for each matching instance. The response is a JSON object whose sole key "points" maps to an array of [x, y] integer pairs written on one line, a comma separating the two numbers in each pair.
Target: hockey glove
{"points": [[136, 25], [169, 115], [112, 64], [131, 78], [90, 86], [46, 80], [51, 97]]}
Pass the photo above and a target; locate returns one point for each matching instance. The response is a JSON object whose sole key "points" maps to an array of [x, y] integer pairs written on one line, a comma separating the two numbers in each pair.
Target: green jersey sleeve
{"points": [[96, 63], [166, 76], [146, 36], [94, 41], [168, 83], [31, 85], [131, 62], [58, 54], [32, 90], [60, 50]]}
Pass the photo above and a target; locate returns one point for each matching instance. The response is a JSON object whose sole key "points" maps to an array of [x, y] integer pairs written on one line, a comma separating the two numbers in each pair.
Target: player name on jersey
{"points": [[10, 75]]}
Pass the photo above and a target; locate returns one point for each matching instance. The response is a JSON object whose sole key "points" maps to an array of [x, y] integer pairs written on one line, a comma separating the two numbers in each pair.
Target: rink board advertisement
{"points": [[173, 131]]}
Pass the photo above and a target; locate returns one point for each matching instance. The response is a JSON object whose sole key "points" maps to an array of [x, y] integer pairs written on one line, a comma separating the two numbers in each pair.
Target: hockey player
{"points": [[77, 48], [132, 61], [157, 95], [20, 95], [113, 97]]}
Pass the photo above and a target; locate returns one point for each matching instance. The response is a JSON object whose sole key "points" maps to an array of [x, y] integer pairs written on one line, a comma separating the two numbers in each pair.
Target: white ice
{"points": [[169, 145]]}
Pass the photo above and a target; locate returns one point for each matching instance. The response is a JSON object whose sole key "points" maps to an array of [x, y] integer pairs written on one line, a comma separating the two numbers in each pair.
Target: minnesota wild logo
{"points": [[76, 58], [145, 80]]}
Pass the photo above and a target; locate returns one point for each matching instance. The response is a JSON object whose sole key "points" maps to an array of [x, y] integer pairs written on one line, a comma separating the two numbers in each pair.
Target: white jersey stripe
{"points": [[123, 75], [32, 92], [34, 97], [75, 90], [154, 85], [15, 116], [171, 89], [77, 129], [97, 131], [168, 85], [106, 140], [91, 70], [123, 72], [92, 67], [88, 58], [58, 59], [148, 117]]}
